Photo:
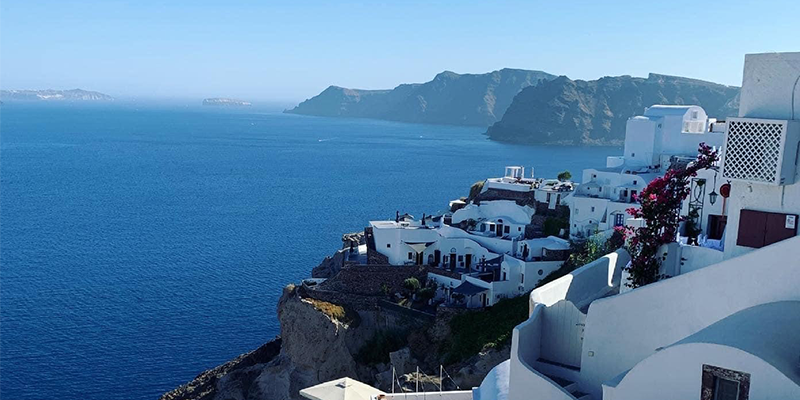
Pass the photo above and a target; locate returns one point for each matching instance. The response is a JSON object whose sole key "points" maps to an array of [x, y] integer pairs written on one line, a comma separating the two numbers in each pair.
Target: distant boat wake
{"points": [[326, 140]]}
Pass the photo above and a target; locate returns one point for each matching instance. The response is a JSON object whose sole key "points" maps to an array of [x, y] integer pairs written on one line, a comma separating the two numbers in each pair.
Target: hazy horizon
{"points": [[285, 53]]}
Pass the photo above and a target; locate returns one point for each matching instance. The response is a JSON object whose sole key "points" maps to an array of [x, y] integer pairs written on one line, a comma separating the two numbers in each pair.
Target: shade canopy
{"points": [[468, 288], [340, 389], [419, 247]]}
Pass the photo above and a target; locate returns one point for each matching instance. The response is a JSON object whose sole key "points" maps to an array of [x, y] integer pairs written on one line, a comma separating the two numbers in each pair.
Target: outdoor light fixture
{"points": [[712, 197]]}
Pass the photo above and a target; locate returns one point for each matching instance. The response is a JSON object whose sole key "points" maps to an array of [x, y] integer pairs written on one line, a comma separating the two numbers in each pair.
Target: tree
{"points": [[660, 209], [564, 176], [412, 284]]}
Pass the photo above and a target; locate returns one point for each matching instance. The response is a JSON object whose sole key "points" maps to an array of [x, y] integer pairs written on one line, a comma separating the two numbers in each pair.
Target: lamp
{"points": [[712, 197]]}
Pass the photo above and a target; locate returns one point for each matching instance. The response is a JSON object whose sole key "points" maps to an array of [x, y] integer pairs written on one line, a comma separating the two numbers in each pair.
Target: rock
{"points": [[450, 98], [479, 365], [565, 111], [402, 360]]}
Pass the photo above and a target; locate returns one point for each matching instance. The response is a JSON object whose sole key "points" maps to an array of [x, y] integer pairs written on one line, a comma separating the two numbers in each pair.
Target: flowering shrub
{"points": [[660, 208]]}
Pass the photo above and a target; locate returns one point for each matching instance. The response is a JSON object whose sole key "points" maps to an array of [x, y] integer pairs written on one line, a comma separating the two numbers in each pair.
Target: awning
{"points": [[340, 389], [468, 288], [419, 247]]}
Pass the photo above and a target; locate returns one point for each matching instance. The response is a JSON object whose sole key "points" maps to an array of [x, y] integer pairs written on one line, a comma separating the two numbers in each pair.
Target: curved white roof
{"points": [[660, 110]]}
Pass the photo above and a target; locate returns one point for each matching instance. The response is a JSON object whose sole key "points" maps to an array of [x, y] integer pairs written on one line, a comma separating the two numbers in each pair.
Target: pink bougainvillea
{"points": [[660, 208]]}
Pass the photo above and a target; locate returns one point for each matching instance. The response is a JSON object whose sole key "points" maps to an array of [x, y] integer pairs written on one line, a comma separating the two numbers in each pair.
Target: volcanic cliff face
{"points": [[565, 111], [321, 342], [313, 348], [450, 98]]}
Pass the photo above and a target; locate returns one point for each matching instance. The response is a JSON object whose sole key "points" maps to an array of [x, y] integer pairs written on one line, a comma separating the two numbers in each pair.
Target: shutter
{"points": [[752, 228], [777, 228]]}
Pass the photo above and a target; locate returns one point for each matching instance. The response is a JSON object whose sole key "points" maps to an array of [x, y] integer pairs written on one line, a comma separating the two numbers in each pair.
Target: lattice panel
{"points": [[753, 151]]}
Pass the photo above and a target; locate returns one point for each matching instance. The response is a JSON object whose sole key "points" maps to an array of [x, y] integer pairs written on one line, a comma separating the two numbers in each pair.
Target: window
{"points": [[519, 229], [460, 258], [619, 219], [410, 256], [506, 229], [634, 181], [633, 154], [592, 208], [594, 175], [726, 389], [758, 229], [522, 278], [548, 197], [388, 245], [483, 227], [694, 114], [724, 384], [541, 272]]}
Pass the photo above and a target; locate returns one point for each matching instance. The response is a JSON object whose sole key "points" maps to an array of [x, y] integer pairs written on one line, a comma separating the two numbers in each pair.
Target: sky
{"points": [[292, 50]]}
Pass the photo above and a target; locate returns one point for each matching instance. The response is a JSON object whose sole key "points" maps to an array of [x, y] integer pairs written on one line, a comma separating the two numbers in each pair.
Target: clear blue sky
{"points": [[291, 50]]}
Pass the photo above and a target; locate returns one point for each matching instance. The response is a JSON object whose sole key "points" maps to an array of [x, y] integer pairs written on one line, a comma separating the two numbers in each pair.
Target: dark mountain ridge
{"points": [[577, 112], [450, 98]]}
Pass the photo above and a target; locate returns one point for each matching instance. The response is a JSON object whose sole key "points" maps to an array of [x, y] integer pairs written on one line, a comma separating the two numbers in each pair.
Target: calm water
{"points": [[140, 247]]}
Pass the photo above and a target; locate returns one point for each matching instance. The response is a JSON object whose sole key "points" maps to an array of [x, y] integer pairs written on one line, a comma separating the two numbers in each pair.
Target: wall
{"points": [[525, 379], [584, 284], [505, 209], [625, 329], [640, 139], [451, 395], [684, 364], [767, 86], [398, 252]]}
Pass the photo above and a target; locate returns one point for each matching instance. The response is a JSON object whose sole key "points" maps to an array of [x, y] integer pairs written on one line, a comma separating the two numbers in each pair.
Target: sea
{"points": [[141, 244]]}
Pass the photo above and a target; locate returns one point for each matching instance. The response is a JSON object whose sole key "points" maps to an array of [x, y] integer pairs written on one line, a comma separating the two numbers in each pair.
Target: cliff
{"points": [[53, 95], [576, 112], [321, 341], [450, 98]]}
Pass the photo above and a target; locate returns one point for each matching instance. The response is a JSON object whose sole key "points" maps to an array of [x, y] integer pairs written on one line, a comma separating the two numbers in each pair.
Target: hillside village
{"points": [[716, 319]]}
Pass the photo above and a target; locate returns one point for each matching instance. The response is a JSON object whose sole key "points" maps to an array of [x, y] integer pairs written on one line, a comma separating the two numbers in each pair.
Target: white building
{"points": [[723, 327], [663, 135]]}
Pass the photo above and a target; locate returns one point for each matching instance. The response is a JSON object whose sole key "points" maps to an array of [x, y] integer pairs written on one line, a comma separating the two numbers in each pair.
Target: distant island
{"points": [[526, 107], [221, 101], [53, 95], [450, 98]]}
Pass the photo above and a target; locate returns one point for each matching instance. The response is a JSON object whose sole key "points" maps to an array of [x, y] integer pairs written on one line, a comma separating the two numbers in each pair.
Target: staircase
{"points": [[570, 387]]}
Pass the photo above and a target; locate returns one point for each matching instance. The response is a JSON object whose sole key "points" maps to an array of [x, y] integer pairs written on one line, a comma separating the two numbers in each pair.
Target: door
{"points": [[468, 261], [453, 262], [499, 231], [562, 334], [437, 257], [419, 258]]}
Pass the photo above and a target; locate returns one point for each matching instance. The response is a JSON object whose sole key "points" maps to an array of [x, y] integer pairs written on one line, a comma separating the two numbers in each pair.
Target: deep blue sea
{"points": [[140, 245]]}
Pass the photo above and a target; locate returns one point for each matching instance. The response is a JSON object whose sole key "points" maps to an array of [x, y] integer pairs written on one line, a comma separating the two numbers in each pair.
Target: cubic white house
{"points": [[723, 327], [653, 142]]}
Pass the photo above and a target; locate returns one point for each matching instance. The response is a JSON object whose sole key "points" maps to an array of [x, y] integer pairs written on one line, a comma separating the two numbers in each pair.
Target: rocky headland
{"points": [[574, 112], [345, 326], [450, 98]]}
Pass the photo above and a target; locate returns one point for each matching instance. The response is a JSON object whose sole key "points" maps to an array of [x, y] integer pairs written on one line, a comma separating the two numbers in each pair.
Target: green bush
{"points": [[564, 176], [487, 328], [376, 350], [411, 284], [553, 225]]}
